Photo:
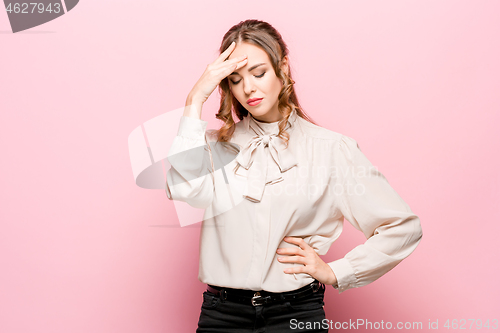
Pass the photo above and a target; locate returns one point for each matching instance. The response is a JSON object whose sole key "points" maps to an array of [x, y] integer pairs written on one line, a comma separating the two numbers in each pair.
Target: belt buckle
{"points": [[223, 294], [255, 297], [315, 286]]}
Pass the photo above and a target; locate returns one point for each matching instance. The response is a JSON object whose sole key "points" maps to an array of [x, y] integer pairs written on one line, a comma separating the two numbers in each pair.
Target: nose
{"points": [[248, 86]]}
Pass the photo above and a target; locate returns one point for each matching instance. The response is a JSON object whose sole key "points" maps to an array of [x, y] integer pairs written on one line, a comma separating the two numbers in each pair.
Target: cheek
{"points": [[274, 86], [265, 85], [232, 90], [236, 93]]}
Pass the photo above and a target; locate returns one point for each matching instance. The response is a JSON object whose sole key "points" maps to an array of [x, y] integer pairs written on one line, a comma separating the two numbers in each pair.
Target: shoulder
{"points": [[313, 131], [328, 139]]}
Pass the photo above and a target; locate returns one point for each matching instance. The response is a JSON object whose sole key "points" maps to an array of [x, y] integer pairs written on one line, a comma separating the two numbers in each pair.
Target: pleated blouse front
{"points": [[255, 191]]}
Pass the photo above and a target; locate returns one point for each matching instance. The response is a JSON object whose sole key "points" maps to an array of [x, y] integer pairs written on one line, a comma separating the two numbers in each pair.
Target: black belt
{"points": [[263, 297]]}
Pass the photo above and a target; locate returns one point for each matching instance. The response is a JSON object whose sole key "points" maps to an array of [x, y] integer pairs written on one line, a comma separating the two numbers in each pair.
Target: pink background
{"points": [[84, 249]]}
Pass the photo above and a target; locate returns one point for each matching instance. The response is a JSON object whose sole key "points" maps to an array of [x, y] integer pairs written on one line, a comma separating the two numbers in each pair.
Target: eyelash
{"points": [[257, 76]]}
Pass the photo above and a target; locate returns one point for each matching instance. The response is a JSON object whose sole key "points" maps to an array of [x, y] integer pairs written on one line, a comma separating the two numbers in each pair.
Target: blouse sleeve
{"points": [[372, 206], [190, 178]]}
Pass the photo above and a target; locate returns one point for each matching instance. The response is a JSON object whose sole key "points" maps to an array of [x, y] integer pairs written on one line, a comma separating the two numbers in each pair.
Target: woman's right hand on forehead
{"points": [[214, 74]]}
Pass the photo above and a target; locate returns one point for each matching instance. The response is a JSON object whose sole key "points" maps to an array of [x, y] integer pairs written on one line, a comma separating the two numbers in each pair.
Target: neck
{"points": [[267, 118]]}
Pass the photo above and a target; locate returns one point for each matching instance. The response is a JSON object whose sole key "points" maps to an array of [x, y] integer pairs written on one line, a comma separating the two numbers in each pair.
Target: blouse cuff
{"points": [[346, 278], [192, 128]]}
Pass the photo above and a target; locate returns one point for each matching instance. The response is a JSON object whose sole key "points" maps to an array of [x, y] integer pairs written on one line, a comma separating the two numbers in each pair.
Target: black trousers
{"points": [[303, 315]]}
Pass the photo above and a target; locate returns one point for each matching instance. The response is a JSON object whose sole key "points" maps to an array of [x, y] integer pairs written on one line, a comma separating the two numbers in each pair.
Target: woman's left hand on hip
{"points": [[305, 255]]}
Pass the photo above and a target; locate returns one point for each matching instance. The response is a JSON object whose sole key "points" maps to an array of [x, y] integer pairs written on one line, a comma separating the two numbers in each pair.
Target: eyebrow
{"points": [[250, 69]]}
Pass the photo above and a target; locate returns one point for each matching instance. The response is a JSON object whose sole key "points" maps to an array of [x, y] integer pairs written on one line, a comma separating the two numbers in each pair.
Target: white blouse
{"points": [[255, 192]]}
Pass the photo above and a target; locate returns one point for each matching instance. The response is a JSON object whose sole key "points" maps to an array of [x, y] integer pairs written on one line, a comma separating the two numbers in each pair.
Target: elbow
{"points": [[405, 233], [414, 228], [197, 193], [413, 234], [200, 195], [417, 230]]}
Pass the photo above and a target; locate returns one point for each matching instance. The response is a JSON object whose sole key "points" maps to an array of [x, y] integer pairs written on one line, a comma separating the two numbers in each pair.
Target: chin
{"points": [[258, 113]]}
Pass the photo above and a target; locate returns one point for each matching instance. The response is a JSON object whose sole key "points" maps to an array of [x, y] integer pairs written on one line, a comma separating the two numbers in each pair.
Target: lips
{"points": [[253, 101]]}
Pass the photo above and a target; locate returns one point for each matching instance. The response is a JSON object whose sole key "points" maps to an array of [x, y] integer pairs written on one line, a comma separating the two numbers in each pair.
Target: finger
{"points": [[231, 62], [294, 259], [294, 270], [242, 62], [291, 250], [226, 68], [297, 241], [225, 54], [224, 71]]}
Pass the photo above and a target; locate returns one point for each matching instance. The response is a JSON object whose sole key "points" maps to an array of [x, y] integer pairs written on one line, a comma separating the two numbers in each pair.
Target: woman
{"points": [[280, 201]]}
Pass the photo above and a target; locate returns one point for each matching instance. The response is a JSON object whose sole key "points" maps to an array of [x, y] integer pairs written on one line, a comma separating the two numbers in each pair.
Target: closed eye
{"points": [[257, 76]]}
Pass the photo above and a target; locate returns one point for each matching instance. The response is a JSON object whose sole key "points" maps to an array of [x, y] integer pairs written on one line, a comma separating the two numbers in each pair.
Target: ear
{"points": [[284, 66]]}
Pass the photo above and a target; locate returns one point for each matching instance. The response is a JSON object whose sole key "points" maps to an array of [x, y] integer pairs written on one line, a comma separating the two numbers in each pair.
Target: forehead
{"points": [[253, 52]]}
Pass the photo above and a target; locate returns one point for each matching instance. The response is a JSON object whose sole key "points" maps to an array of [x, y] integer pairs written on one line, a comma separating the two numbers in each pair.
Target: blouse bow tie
{"points": [[253, 158]]}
